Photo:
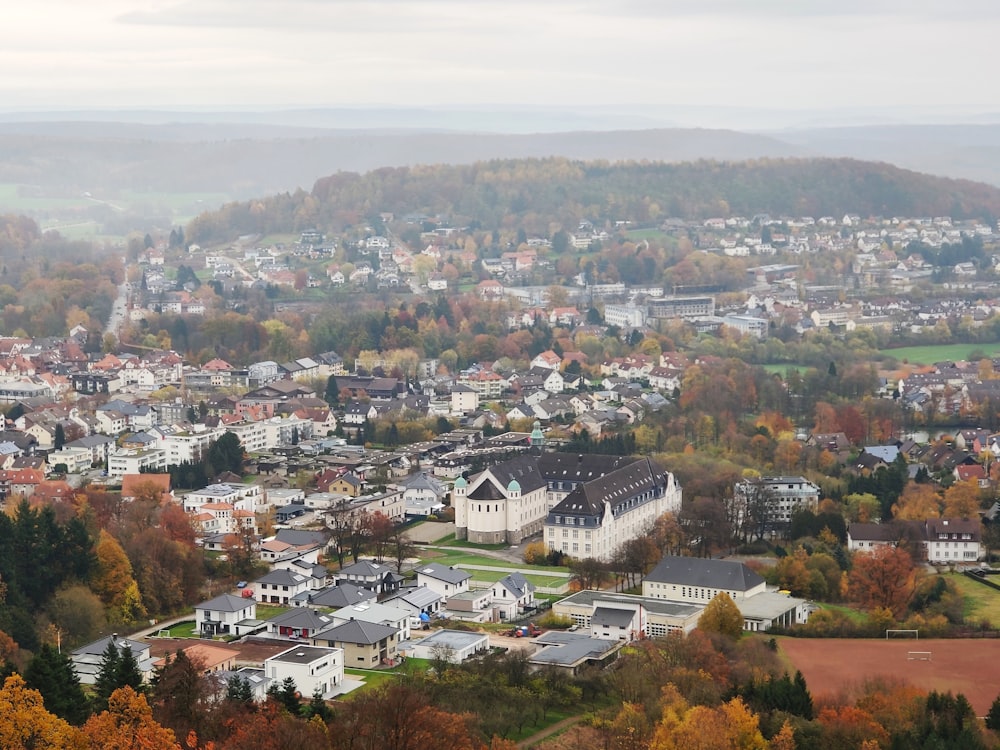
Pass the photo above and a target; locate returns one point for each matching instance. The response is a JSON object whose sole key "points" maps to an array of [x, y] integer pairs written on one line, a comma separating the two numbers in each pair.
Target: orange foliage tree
{"points": [[26, 725], [882, 578]]}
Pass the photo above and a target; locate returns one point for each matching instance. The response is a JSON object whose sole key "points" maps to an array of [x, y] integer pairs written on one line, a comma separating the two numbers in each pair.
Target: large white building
{"points": [[503, 504], [781, 497], [611, 499], [600, 515]]}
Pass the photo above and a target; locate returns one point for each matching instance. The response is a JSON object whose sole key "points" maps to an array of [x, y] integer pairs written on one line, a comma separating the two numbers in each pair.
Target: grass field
{"points": [[465, 557], [492, 576], [183, 630], [267, 611], [981, 602], [927, 355]]}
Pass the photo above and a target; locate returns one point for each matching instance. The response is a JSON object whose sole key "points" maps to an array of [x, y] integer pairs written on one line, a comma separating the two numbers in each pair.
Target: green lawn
{"points": [[267, 611], [462, 557], [928, 355], [848, 612], [980, 602], [183, 630], [492, 576]]}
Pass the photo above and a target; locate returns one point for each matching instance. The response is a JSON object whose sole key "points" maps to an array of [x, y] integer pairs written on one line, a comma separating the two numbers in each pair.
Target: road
{"points": [[118, 310]]}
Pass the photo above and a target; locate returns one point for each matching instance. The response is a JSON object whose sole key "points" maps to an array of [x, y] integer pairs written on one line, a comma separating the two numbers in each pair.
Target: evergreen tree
{"points": [[289, 696], [51, 673], [331, 395], [317, 707], [107, 676], [993, 716], [238, 690], [127, 671], [59, 438]]}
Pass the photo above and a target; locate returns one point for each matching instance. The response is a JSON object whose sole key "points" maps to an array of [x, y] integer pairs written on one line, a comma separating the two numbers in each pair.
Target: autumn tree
{"points": [[26, 725], [918, 502], [588, 573], [721, 615], [180, 694], [112, 581], [127, 724], [961, 500], [882, 578]]}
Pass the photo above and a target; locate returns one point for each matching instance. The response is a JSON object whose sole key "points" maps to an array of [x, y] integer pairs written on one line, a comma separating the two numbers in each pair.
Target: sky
{"points": [[693, 62]]}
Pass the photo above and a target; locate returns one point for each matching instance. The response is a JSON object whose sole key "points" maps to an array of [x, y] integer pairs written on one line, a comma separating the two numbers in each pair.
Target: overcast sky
{"points": [[902, 59]]}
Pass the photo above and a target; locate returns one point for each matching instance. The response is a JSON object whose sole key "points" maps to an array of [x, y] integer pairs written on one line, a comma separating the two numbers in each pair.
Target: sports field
{"points": [[833, 665], [928, 355]]}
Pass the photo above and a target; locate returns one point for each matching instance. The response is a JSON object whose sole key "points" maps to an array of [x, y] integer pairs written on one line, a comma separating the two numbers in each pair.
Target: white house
{"points": [[280, 586], [512, 595], [87, 659], [444, 580], [223, 614], [313, 668]]}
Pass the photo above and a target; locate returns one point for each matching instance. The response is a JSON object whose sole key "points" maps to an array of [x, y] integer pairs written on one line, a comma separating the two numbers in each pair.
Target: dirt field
{"points": [[961, 666]]}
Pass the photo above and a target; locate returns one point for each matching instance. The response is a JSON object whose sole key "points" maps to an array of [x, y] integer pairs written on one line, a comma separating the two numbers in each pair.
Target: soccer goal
{"points": [[897, 633], [163, 634], [918, 655]]}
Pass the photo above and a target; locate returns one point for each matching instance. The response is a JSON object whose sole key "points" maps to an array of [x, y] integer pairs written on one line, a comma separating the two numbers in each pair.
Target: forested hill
{"points": [[534, 192]]}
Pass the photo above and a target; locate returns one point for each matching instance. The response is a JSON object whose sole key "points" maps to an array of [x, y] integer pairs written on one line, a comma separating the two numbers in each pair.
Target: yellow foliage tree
{"points": [[961, 500], [721, 615], [112, 579], [26, 725], [918, 502]]}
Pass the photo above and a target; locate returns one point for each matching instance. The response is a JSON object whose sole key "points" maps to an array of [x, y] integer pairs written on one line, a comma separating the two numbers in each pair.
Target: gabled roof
{"points": [[516, 584], [589, 498], [342, 595], [726, 575], [443, 573], [366, 569]]}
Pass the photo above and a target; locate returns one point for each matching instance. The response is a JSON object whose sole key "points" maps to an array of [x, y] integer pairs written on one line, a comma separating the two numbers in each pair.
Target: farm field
{"points": [[835, 665]]}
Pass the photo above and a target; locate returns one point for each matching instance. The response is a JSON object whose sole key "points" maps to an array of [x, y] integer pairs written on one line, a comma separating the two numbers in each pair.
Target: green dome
{"points": [[513, 486], [460, 483]]}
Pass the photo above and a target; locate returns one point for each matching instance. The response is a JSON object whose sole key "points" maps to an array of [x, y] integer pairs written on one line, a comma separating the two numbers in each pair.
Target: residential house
{"points": [[223, 615], [371, 575], [87, 659], [513, 595], [443, 579], [365, 644], [313, 669], [281, 586], [300, 622]]}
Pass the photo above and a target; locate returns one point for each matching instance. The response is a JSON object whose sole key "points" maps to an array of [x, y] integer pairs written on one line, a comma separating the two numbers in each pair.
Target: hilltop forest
{"points": [[533, 193]]}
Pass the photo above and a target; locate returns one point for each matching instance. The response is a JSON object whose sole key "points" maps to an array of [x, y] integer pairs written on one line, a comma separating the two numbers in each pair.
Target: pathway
{"points": [[549, 731]]}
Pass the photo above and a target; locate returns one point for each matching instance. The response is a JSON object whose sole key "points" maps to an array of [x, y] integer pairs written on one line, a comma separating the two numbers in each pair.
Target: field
{"points": [[834, 665], [928, 355], [981, 602]]}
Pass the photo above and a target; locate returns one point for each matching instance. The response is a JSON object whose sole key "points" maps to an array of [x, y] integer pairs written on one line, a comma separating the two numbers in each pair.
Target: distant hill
{"points": [[534, 192], [964, 151], [246, 160]]}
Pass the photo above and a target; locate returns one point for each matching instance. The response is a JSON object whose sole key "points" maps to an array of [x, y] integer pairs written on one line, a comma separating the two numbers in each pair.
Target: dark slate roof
{"points": [[610, 617], [283, 577], [517, 584], [300, 538], [588, 499], [727, 575], [444, 573], [342, 595], [365, 568], [225, 603], [523, 469], [579, 467], [356, 631], [302, 617]]}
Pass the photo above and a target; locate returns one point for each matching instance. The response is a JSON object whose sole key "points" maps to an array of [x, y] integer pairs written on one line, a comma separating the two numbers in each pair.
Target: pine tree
{"points": [[318, 707], [993, 717], [238, 690], [289, 696], [107, 676], [51, 673], [128, 672], [59, 438]]}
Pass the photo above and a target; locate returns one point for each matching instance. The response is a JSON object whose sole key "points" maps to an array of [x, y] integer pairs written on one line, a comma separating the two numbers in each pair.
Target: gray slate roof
{"points": [[444, 573], [356, 631], [727, 575], [225, 603]]}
